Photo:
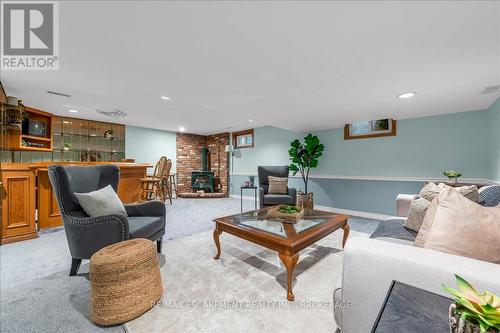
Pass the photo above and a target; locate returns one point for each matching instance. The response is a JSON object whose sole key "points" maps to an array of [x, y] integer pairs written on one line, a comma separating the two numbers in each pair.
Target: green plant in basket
{"points": [[289, 209], [471, 306]]}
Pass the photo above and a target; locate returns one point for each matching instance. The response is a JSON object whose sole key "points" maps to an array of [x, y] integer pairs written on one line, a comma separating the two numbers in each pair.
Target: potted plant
{"points": [[473, 312], [452, 175], [304, 157], [108, 133], [14, 110], [67, 146]]}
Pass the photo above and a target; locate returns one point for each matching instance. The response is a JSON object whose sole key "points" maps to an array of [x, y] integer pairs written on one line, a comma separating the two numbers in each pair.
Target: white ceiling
{"points": [[296, 65]]}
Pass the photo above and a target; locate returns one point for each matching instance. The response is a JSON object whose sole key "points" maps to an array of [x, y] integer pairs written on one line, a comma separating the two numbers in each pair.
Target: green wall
{"points": [[423, 147], [147, 145], [494, 140]]}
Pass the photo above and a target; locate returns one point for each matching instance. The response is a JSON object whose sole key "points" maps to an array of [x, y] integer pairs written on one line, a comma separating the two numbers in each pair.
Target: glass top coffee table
{"points": [[285, 238]]}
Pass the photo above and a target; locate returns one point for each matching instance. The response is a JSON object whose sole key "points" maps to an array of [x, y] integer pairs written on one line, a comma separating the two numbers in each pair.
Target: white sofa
{"points": [[371, 264]]}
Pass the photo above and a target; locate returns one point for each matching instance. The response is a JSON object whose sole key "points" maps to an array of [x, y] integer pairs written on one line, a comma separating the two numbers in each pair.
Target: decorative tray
{"points": [[294, 217]]}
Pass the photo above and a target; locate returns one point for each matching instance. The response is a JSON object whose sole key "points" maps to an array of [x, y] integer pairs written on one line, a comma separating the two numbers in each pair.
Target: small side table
{"points": [[409, 309], [241, 195]]}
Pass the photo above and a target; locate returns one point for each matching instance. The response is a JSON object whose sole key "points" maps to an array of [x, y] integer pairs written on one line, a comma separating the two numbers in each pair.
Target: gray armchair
{"points": [[274, 199], [86, 235]]}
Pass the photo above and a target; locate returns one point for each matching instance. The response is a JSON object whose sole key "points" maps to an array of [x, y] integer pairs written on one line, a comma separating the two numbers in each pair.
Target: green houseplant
{"points": [[67, 146], [452, 175], [473, 311], [303, 157]]}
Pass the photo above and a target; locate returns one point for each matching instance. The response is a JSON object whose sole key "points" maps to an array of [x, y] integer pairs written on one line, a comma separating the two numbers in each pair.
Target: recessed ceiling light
{"points": [[250, 120], [406, 95], [72, 111], [182, 129], [165, 98]]}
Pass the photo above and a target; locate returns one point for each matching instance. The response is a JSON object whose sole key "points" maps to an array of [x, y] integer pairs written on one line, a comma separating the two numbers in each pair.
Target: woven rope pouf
{"points": [[125, 281]]}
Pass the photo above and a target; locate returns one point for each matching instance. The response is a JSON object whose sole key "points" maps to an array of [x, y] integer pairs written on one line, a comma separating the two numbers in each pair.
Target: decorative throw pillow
{"points": [[416, 214], [278, 185], [489, 196], [465, 228], [427, 223], [471, 192], [431, 191], [101, 202]]}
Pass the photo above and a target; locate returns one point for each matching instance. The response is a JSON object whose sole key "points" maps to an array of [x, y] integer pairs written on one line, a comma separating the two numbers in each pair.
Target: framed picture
{"points": [[370, 129]]}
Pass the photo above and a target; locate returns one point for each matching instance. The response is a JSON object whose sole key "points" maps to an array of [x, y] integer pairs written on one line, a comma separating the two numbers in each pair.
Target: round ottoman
{"points": [[125, 281]]}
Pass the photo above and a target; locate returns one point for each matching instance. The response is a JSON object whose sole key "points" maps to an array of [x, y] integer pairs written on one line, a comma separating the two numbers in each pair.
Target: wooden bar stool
{"points": [[151, 186]]}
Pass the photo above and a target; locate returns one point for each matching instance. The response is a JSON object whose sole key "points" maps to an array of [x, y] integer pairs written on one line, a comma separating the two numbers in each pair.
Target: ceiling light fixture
{"points": [[58, 93], [406, 95], [65, 122], [250, 120], [182, 129], [165, 98], [73, 111], [112, 113]]}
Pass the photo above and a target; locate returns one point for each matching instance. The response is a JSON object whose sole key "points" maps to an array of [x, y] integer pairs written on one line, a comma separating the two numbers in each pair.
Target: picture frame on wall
{"points": [[370, 129]]}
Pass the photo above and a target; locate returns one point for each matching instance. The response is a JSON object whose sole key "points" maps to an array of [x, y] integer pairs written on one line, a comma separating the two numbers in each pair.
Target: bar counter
{"points": [[27, 196]]}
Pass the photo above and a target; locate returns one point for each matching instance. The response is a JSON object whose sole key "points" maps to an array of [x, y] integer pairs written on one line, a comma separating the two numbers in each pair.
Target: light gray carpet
{"points": [[244, 291], [37, 295]]}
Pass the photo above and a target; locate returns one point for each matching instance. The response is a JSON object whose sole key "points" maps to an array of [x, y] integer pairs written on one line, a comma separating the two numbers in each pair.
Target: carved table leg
{"points": [[346, 233], [289, 261], [217, 233]]}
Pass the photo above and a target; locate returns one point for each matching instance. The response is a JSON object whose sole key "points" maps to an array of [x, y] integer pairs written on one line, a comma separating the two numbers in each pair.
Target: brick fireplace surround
{"points": [[189, 158]]}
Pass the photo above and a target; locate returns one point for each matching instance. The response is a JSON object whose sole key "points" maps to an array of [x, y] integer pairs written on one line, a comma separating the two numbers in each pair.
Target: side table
{"points": [[241, 196], [409, 309]]}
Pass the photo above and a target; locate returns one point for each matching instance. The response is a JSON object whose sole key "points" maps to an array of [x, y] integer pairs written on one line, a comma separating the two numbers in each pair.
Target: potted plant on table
{"points": [[67, 146], [452, 175], [473, 312], [304, 157]]}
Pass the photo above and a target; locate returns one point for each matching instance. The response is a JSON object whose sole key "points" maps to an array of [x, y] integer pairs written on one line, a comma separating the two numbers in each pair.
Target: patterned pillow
{"points": [[489, 196], [416, 213], [431, 191], [278, 185]]}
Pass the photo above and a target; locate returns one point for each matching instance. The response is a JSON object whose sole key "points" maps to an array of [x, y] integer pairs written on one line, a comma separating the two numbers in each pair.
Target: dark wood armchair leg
{"points": [[158, 246], [75, 265]]}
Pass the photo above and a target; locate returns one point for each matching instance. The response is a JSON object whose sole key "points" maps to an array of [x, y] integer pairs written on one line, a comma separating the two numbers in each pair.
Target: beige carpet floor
{"points": [[244, 291]]}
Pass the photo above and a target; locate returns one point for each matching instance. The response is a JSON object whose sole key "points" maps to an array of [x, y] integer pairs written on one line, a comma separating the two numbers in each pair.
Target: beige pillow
{"points": [[465, 228], [278, 185], [431, 191], [416, 213], [427, 223]]}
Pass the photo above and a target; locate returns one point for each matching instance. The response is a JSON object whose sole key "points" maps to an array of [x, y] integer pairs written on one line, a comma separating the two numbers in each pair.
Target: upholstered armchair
{"points": [[86, 235], [265, 198]]}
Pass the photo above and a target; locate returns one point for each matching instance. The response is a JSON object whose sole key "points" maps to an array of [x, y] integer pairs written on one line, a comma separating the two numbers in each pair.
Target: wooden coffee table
{"points": [[285, 238]]}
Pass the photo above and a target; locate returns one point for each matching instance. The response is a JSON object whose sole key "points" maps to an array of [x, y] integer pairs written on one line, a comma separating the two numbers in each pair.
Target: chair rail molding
{"points": [[384, 178]]}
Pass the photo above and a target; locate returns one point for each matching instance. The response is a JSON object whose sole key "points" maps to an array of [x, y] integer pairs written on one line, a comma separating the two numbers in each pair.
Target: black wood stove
{"points": [[203, 180]]}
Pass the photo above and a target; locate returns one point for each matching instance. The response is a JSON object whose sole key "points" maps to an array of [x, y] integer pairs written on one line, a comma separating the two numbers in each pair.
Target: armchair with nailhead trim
{"points": [[86, 235]]}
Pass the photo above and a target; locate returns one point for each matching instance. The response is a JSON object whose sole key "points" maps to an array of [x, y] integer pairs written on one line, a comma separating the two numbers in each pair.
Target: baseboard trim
{"points": [[357, 213], [383, 178], [367, 215]]}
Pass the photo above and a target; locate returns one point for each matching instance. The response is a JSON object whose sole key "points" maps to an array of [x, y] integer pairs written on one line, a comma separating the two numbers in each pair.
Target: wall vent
{"points": [[490, 90], [57, 93], [112, 113]]}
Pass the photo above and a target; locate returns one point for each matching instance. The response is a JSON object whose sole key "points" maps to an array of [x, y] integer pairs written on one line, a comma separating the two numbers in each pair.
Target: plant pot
{"points": [[459, 325], [66, 149], [305, 200], [453, 180]]}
